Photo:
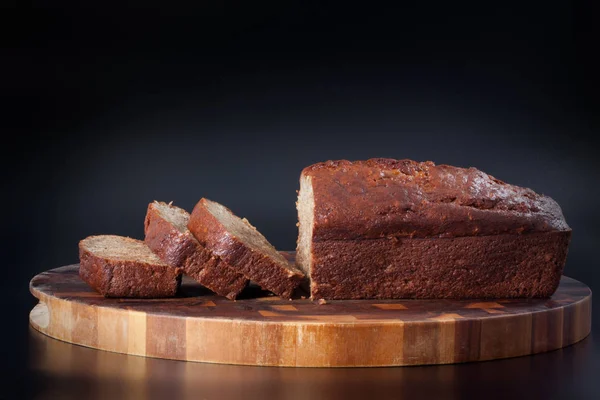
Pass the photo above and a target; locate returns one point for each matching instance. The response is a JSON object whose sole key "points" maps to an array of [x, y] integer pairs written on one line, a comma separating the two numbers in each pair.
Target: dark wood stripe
{"points": [[467, 338], [505, 337], [420, 343], [586, 316], [547, 330], [568, 314]]}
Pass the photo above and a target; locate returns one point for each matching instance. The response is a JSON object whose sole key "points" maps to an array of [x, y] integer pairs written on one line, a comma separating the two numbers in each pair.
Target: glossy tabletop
{"points": [[60, 370]]}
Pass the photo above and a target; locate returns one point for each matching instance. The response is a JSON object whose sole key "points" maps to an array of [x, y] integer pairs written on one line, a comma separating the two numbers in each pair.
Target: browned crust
{"points": [[183, 250], [501, 266], [254, 265], [403, 198], [118, 278]]}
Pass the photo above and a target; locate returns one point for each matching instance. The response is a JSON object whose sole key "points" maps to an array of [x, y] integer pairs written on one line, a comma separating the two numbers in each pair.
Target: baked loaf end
{"points": [[386, 228], [117, 266], [168, 237], [244, 248]]}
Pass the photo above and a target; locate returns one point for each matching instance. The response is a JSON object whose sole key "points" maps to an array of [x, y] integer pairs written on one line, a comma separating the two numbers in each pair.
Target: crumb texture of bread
{"points": [[306, 212], [385, 228], [238, 243], [167, 235], [500, 266], [117, 266]]}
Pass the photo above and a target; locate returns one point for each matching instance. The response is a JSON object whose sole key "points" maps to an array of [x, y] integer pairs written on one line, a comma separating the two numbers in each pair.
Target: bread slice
{"points": [[117, 266], [167, 235], [240, 245]]}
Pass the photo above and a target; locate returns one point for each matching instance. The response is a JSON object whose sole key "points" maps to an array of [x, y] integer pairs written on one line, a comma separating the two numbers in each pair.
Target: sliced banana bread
{"points": [[240, 245], [117, 266], [168, 236]]}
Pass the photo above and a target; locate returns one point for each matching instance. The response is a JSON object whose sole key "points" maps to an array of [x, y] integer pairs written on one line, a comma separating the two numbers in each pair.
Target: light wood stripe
{"points": [[165, 337], [390, 306], [113, 330], [447, 317], [136, 333], [284, 307], [267, 313], [493, 311]]}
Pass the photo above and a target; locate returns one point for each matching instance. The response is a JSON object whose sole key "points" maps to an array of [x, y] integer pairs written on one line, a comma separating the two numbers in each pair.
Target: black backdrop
{"points": [[108, 111]]}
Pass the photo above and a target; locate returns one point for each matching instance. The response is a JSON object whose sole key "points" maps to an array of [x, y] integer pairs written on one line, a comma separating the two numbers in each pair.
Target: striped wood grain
{"points": [[260, 329]]}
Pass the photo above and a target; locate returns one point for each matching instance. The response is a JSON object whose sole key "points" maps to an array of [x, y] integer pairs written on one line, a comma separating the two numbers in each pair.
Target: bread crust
{"points": [[404, 198], [256, 266], [127, 278], [182, 250]]}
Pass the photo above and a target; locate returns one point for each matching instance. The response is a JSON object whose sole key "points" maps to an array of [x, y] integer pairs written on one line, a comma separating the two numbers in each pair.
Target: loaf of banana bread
{"points": [[386, 228]]}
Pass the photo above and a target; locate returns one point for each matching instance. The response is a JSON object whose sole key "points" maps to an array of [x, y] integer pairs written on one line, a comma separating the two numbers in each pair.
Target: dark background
{"points": [[107, 111]]}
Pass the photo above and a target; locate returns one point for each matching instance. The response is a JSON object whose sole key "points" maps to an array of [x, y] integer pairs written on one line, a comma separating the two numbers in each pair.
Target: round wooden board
{"points": [[260, 329]]}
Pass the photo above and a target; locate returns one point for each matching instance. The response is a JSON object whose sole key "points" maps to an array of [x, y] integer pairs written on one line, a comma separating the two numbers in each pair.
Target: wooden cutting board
{"points": [[261, 329]]}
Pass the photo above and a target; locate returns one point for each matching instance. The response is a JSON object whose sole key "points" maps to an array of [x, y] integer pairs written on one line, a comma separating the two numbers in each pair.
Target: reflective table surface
{"points": [[61, 370]]}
